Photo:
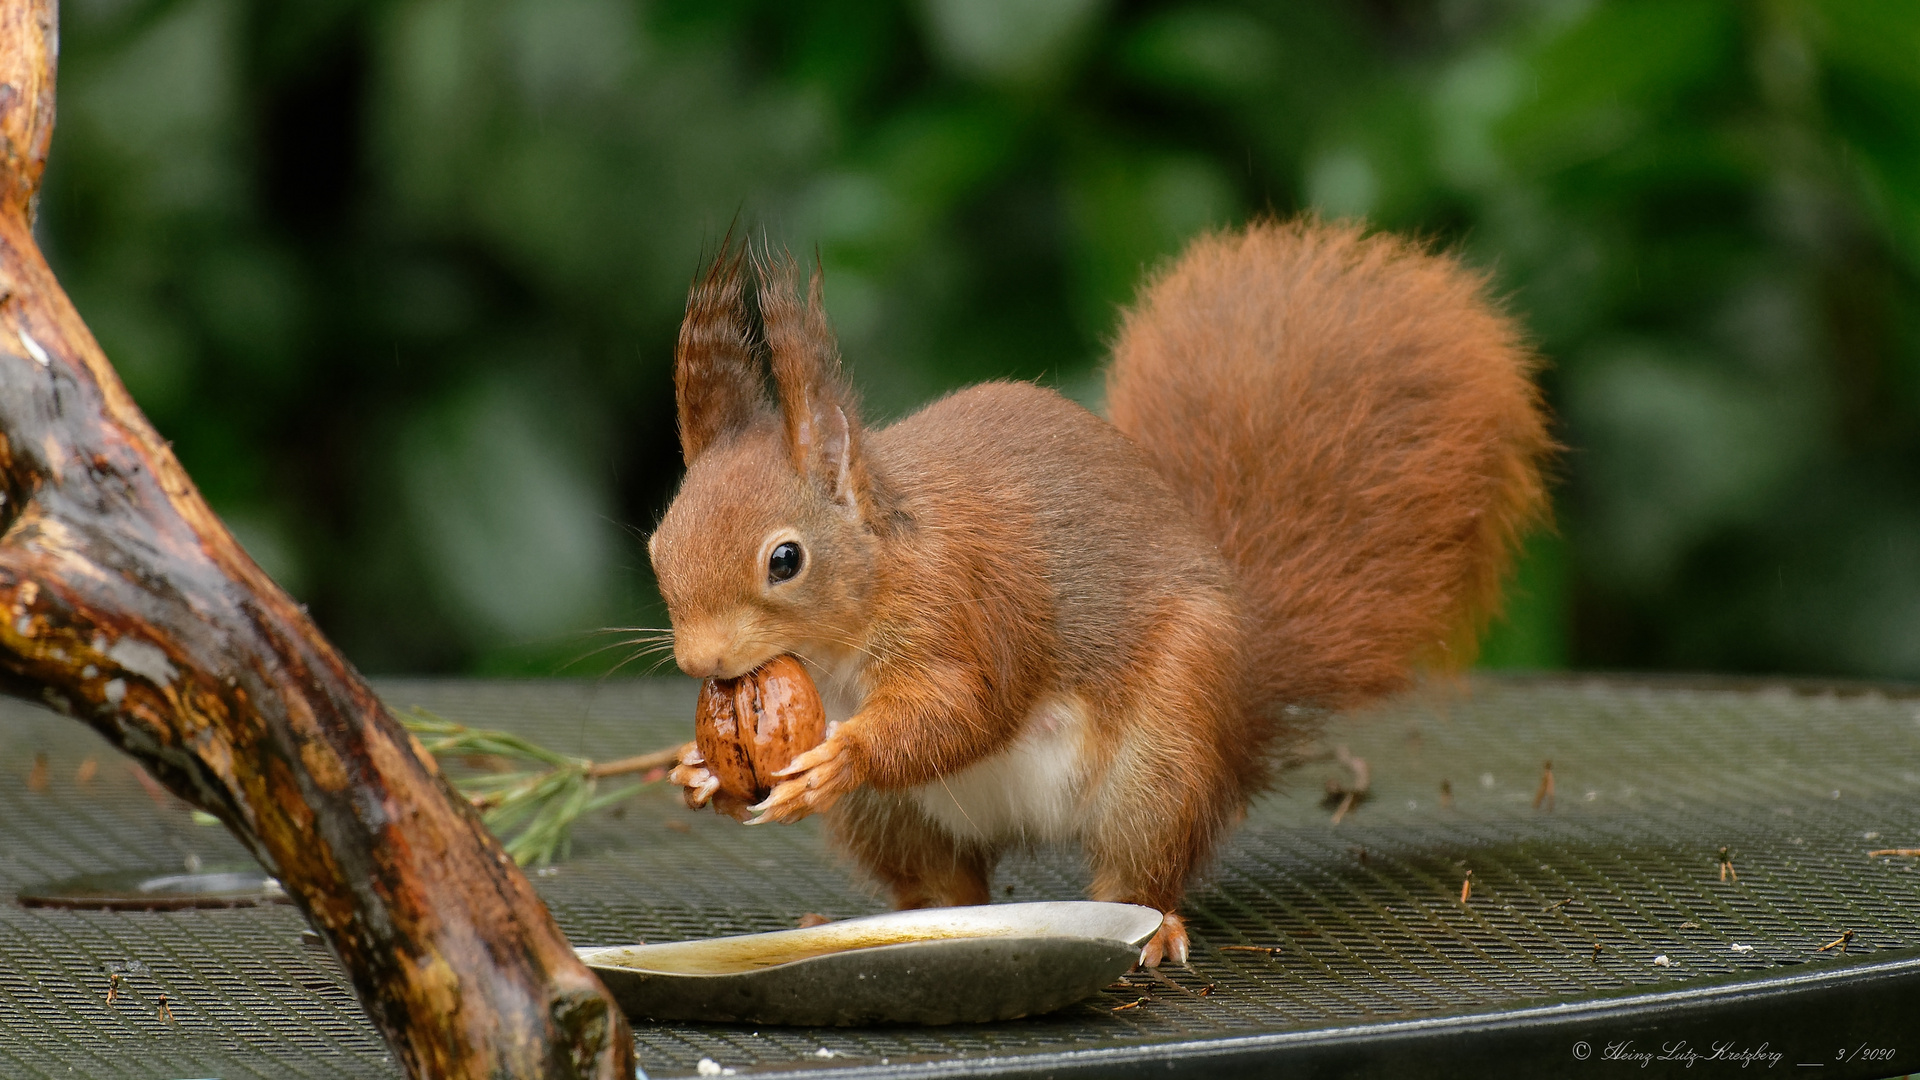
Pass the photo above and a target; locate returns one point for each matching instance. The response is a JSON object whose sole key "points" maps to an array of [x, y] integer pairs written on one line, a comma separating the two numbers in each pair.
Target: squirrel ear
{"points": [[822, 418], [716, 377]]}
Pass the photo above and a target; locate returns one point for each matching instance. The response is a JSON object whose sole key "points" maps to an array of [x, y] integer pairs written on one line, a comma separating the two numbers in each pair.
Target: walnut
{"points": [[752, 727]]}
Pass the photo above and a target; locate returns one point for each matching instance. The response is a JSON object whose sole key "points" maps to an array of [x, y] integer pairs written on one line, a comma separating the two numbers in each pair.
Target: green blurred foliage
{"points": [[400, 278]]}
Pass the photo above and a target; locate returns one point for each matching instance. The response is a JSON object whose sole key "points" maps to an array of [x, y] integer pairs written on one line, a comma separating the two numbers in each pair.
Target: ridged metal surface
{"points": [[1651, 781]]}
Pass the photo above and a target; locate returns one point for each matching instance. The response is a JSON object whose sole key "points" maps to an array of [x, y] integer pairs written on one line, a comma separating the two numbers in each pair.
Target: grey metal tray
{"points": [[1378, 966]]}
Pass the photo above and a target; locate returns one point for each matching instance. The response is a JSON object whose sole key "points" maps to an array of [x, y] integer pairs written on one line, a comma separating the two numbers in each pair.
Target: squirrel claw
{"points": [[815, 781], [1169, 943], [701, 791]]}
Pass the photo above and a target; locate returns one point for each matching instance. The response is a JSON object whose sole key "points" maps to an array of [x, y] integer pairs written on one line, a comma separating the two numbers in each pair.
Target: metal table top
{"points": [[1377, 966]]}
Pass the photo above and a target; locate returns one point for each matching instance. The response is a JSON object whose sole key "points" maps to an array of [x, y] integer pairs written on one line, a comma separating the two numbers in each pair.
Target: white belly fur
{"points": [[1027, 792]]}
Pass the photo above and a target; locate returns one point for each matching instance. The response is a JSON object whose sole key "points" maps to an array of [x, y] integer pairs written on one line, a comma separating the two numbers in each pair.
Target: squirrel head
{"points": [[767, 548]]}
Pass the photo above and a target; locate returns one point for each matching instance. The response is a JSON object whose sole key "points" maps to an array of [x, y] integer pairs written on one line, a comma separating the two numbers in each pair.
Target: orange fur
{"points": [[714, 381], [1360, 430], [1038, 628]]}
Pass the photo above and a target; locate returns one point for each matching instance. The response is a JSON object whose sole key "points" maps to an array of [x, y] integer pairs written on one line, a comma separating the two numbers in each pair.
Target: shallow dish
{"points": [[159, 890], [932, 966]]}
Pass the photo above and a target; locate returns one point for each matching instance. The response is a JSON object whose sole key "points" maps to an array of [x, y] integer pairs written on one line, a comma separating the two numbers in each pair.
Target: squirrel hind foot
{"points": [[1168, 945]]}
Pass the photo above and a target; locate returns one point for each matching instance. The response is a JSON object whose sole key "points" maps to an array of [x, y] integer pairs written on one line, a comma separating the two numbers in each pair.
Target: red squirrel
{"points": [[1031, 624]]}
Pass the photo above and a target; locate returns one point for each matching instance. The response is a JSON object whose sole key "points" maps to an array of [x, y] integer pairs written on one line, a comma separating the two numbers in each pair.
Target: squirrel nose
{"points": [[707, 651], [701, 666]]}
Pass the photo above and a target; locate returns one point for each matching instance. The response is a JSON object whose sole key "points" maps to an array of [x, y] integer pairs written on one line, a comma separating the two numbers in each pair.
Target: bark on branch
{"points": [[125, 603]]}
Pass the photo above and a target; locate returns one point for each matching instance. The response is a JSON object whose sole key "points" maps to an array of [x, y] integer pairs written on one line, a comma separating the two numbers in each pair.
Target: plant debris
{"points": [[531, 809], [1344, 797], [1269, 950], [1838, 943]]}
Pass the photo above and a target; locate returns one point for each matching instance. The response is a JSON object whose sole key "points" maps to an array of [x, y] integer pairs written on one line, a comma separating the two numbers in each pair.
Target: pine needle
{"points": [[533, 809]]}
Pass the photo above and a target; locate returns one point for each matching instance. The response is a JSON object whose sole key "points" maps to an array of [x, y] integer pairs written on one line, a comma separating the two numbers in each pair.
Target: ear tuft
{"points": [[716, 377], [816, 401]]}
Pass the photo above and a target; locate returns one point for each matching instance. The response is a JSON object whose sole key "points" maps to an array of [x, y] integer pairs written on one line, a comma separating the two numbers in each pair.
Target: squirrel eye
{"points": [[784, 562]]}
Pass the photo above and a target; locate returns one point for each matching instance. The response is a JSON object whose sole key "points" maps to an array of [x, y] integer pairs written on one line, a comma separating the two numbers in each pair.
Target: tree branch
{"points": [[124, 602]]}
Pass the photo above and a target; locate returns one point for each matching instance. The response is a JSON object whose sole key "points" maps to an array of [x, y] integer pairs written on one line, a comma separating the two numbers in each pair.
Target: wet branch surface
{"points": [[125, 603]]}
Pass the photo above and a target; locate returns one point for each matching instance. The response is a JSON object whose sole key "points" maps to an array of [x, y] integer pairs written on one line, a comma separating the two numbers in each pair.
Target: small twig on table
{"points": [[1344, 797], [161, 797], [1726, 866], [1134, 1004], [1557, 905], [1161, 977], [1544, 795], [1269, 950], [1837, 943], [1907, 852]]}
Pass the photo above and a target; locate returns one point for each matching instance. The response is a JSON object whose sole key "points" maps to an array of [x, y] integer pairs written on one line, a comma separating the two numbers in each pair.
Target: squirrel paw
{"points": [[702, 787], [816, 780], [691, 774], [1169, 943]]}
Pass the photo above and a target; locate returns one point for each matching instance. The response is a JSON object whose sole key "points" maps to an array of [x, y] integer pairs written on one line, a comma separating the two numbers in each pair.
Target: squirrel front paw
{"points": [[814, 781], [702, 787]]}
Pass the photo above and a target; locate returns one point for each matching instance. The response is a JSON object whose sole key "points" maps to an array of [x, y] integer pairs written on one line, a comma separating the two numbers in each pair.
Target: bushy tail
{"points": [[1359, 427]]}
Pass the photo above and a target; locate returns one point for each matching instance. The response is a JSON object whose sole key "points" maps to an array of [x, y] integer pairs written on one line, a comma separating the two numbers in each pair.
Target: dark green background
{"points": [[400, 278]]}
